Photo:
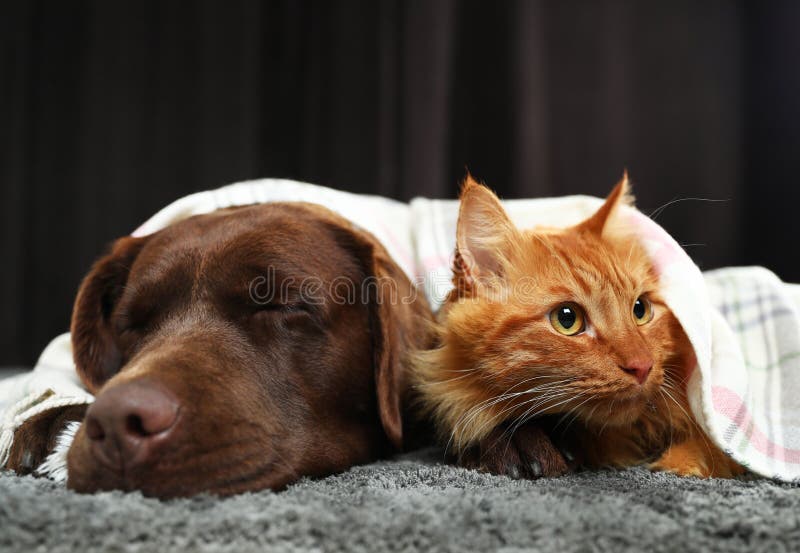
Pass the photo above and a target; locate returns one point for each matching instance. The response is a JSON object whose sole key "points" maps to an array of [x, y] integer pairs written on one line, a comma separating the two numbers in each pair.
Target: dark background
{"points": [[109, 110]]}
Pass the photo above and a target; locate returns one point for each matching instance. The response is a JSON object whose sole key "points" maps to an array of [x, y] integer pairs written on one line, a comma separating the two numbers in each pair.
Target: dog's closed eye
{"points": [[128, 327], [283, 307]]}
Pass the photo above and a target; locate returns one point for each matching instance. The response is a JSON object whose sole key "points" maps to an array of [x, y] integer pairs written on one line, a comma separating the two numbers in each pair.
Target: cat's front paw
{"points": [[697, 457], [527, 453], [681, 469]]}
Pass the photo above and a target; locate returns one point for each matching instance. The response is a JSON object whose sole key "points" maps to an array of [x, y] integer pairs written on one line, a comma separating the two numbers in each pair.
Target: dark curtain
{"points": [[109, 110]]}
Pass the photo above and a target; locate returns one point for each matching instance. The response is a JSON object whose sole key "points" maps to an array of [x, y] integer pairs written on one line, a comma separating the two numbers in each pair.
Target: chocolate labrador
{"points": [[236, 351]]}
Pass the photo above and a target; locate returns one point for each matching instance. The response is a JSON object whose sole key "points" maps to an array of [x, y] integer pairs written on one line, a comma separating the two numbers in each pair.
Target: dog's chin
{"points": [[88, 480], [171, 478], [166, 488]]}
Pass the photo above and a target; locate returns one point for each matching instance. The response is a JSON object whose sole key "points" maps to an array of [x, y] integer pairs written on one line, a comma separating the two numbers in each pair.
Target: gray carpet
{"points": [[416, 504]]}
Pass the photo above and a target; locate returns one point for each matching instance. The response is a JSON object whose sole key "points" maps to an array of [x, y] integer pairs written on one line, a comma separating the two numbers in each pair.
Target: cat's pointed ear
{"points": [[621, 195], [483, 234]]}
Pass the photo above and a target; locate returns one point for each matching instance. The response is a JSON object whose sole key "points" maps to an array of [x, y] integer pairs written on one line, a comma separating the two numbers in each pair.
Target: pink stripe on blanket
{"points": [[400, 249], [435, 262], [730, 405]]}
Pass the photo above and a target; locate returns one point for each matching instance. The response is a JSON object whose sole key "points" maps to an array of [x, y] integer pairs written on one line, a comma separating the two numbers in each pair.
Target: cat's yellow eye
{"points": [[568, 319], [642, 311]]}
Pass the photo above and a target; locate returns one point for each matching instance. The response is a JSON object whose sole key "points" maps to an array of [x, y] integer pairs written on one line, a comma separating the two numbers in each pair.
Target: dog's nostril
{"points": [[134, 425], [127, 421]]}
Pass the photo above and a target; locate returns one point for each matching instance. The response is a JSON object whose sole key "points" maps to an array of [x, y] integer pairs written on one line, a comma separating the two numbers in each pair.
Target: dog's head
{"points": [[241, 350]]}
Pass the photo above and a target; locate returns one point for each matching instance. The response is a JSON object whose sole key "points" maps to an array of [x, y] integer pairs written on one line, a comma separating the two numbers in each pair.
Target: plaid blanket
{"points": [[744, 323], [751, 400]]}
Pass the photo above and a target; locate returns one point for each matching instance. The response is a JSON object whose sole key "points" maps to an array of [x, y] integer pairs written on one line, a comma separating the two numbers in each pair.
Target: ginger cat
{"points": [[560, 335]]}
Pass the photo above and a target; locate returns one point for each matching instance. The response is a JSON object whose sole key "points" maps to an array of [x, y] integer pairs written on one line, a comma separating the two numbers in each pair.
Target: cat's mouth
{"points": [[622, 409]]}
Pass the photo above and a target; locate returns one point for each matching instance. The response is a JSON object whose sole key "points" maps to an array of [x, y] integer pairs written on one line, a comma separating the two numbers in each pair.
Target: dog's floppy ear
{"points": [[400, 322], [94, 348]]}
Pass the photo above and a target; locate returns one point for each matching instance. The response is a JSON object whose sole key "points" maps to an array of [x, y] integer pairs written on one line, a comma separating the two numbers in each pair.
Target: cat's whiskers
{"points": [[525, 417], [669, 414], [658, 211], [535, 409], [492, 421], [694, 423], [556, 390], [466, 419], [690, 419], [470, 370], [608, 419], [545, 394], [514, 425], [666, 389], [590, 416], [574, 412], [678, 385], [508, 395], [446, 381], [528, 415], [699, 431]]}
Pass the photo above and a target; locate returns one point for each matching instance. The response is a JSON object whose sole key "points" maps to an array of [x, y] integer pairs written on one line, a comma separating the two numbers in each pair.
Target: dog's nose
{"points": [[639, 368], [126, 420]]}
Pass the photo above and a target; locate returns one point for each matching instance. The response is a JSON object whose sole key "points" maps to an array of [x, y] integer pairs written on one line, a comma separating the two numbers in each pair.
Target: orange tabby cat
{"points": [[560, 334]]}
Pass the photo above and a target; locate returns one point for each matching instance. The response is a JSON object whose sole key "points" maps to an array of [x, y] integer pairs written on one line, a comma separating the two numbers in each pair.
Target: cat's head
{"points": [[565, 320]]}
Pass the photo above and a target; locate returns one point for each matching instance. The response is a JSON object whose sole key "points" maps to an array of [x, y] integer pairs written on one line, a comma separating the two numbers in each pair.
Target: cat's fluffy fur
{"points": [[502, 373]]}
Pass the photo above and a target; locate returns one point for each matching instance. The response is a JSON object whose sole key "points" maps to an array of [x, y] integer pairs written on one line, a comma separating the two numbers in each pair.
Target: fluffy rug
{"points": [[414, 503]]}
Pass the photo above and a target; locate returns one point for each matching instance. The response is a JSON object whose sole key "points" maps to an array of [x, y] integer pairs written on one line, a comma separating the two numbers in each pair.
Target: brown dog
{"points": [[236, 351]]}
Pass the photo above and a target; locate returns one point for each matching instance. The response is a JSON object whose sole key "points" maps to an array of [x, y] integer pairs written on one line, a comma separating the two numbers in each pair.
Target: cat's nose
{"points": [[638, 368]]}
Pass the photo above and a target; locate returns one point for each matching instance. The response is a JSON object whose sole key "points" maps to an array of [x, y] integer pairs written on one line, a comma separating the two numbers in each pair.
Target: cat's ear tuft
{"points": [[620, 195], [483, 233]]}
